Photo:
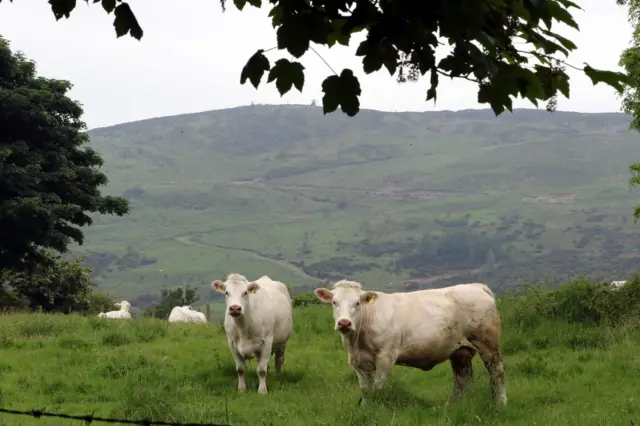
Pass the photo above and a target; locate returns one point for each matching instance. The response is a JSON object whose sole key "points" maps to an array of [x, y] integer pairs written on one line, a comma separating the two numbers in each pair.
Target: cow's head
{"points": [[123, 306], [347, 299], [237, 290]]}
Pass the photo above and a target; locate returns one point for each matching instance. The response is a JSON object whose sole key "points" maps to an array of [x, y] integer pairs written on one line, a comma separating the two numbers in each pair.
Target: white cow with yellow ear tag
{"points": [[258, 322], [419, 329]]}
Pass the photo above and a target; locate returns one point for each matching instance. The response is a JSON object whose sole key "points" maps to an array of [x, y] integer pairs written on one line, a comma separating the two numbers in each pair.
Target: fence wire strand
{"points": [[89, 418]]}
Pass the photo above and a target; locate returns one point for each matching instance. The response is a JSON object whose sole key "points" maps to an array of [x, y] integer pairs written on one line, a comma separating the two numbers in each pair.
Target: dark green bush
{"points": [[307, 298], [579, 300]]}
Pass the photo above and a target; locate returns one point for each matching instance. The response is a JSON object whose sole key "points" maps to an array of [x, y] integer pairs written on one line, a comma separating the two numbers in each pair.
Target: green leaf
{"points": [[562, 82], [341, 91], [108, 5], [126, 22], [255, 68], [287, 74], [240, 4], [338, 33], [331, 98], [559, 13], [293, 36], [276, 15], [611, 78], [568, 44], [372, 60], [62, 8]]}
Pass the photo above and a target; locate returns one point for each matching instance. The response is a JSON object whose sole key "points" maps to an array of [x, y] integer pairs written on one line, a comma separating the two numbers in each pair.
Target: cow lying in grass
{"points": [[419, 329], [186, 314], [122, 313], [258, 322]]}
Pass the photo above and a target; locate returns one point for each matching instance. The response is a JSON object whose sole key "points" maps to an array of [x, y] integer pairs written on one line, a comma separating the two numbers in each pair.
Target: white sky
{"points": [[191, 56]]}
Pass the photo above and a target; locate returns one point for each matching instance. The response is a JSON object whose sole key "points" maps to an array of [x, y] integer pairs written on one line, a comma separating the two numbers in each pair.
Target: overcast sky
{"points": [[191, 56]]}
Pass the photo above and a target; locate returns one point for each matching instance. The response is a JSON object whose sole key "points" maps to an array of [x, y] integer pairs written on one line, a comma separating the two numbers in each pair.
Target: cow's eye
{"points": [[357, 304], [334, 303], [226, 293], [245, 294]]}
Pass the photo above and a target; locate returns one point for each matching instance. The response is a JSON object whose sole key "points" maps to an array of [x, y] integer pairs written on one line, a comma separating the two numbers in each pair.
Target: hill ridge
{"points": [[382, 197]]}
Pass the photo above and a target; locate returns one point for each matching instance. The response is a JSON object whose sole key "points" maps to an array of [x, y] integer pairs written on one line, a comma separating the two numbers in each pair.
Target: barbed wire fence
{"points": [[90, 418]]}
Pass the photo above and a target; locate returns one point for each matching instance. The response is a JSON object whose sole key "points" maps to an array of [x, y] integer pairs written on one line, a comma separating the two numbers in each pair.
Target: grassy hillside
{"points": [[563, 367], [412, 199]]}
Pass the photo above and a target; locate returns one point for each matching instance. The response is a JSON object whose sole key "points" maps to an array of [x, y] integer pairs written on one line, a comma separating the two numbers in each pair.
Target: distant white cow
{"points": [[186, 314], [123, 313], [617, 284], [419, 329], [258, 322]]}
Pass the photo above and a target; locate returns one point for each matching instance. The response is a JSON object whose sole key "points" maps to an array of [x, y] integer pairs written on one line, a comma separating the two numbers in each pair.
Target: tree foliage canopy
{"points": [[630, 61], [170, 298], [57, 285], [49, 179], [507, 47]]}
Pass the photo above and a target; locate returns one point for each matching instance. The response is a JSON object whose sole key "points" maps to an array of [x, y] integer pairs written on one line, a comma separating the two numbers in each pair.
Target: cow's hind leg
{"points": [[487, 343], [462, 366], [279, 355]]}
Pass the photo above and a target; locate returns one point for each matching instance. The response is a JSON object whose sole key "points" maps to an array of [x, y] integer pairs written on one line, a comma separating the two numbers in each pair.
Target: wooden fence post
{"points": [[153, 311], [207, 312]]}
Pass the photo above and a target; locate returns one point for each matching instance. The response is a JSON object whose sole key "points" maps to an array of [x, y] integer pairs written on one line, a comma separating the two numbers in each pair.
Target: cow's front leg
{"points": [[263, 363], [384, 363], [240, 366], [364, 379]]}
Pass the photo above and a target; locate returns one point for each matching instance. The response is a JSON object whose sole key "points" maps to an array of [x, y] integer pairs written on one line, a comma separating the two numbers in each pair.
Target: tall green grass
{"points": [[571, 359]]}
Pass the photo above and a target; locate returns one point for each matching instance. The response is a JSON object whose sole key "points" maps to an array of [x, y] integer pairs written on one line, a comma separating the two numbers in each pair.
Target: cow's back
{"points": [[430, 322], [280, 306], [177, 315], [461, 304]]}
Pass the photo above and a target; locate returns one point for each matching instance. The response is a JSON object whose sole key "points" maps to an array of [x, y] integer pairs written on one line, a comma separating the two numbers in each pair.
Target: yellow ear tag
{"points": [[253, 290], [372, 300]]}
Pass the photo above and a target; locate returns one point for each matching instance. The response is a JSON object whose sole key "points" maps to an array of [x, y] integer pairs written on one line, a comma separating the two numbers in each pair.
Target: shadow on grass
{"points": [[395, 397]]}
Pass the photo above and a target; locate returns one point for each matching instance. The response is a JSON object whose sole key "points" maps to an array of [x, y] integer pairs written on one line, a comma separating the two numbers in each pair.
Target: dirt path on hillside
{"points": [[392, 191], [431, 280], [186, 239]]}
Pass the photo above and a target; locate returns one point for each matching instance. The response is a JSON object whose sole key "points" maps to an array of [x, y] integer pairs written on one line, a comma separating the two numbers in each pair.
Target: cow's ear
{"points": [[218, 286], [369, 297], [253, 287], [324, 294]]}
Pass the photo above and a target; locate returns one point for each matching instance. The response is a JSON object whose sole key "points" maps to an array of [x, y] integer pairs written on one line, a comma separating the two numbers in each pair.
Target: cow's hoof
{"points": [[361, 401]]}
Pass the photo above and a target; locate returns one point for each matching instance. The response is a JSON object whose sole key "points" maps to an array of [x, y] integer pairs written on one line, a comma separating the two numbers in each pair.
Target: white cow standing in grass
{"points": [[123, 313], [186, 314], [258, 322], [419, 329]]}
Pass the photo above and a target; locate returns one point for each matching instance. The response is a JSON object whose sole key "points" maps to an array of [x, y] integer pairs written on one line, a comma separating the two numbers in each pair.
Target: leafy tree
{"points": [[99, 302], [170, 298], [507, 47], [49, 179], [630, 61], [56, 285]]}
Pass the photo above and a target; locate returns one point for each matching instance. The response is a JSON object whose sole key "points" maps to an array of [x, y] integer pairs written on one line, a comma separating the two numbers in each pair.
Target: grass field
{"points": [[558, 372]]}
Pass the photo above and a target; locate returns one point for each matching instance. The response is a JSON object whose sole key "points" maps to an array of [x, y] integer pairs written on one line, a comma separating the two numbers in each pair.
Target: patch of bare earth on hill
{"points": [[252, 181], [387, 192], [552, 199]]}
